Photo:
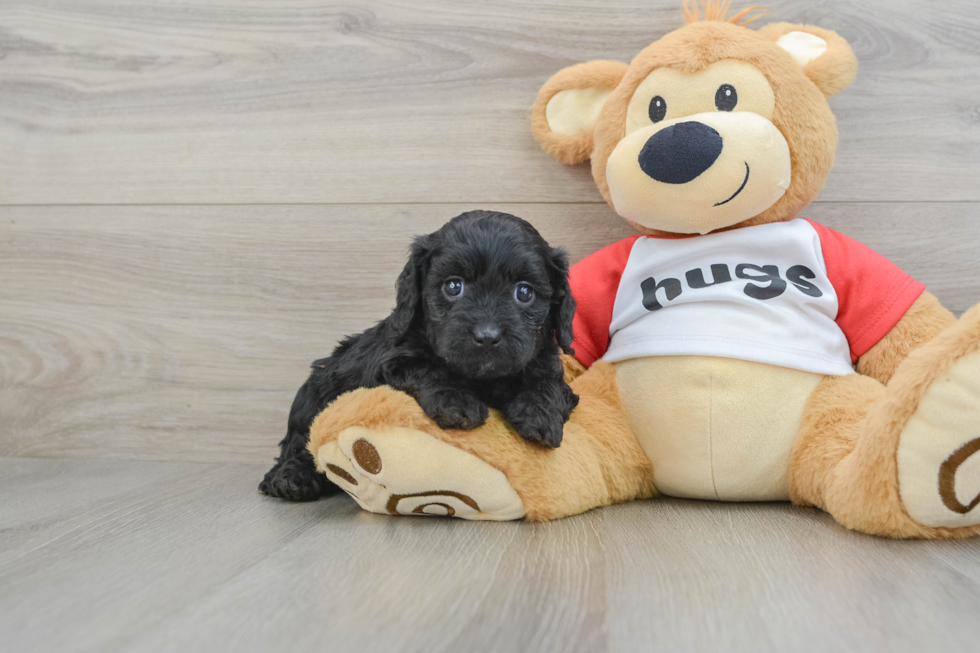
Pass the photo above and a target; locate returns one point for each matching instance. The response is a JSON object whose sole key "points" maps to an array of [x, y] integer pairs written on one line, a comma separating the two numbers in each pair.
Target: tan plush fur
{"points": [[573, 368], [925, 320], [812, 138], [832, 71], [845, 458], [603, 75], [598, 463]]}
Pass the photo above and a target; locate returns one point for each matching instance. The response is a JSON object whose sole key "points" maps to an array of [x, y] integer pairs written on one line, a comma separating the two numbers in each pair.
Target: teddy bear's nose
{"points": [[679, 153]]}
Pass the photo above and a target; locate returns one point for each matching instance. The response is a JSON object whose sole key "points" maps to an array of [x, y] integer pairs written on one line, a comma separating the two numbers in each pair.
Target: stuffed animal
{"points": [[729, 351]]}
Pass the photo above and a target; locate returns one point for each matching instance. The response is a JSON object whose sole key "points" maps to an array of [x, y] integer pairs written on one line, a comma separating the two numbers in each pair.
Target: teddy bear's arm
{"points": [[573, 368], [924, 320], [407, 456]]}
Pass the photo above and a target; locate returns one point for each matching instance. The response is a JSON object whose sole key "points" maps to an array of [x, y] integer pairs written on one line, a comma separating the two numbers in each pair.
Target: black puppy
{"points": [[482, 308]]}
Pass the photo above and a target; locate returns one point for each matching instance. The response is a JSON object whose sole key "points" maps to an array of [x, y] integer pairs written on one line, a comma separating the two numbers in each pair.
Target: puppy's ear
{"points": [[408, 288], [562, 302]]}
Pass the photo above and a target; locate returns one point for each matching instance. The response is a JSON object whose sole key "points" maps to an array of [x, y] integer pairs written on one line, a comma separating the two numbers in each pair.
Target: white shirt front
{"points": [[758, 294]]}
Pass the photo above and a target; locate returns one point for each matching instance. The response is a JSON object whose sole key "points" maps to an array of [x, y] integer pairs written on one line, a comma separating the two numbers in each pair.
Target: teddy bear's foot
{"points": [[401, 471], [939, 448], [902, 460]]}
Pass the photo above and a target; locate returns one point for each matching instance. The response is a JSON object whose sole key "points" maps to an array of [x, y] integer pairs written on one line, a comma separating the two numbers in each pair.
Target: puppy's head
{"points": [[488, 292]]}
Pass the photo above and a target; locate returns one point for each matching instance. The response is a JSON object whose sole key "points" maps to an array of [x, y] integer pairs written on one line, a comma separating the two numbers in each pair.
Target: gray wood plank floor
{"points": [[137, 556]]}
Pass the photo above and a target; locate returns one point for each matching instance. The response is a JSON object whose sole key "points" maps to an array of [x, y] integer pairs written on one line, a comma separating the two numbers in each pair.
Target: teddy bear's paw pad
{"points": [[939, 450], [399, 471]]}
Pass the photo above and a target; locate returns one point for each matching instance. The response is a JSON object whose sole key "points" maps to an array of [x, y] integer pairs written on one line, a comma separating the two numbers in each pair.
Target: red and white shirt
{"points": [[794, 294]]}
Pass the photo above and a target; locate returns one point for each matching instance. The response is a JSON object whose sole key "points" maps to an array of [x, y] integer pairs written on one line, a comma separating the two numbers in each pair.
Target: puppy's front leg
{"points": [[444, 398], [539, 411], [452, 406]]}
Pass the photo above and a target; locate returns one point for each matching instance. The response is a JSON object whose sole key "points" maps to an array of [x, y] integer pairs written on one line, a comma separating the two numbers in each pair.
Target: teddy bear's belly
{"points": [[715, 428]]}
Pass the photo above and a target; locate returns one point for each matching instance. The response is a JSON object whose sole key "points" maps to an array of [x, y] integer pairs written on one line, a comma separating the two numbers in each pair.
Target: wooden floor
{"points": [[144, 556], [198, 198]]}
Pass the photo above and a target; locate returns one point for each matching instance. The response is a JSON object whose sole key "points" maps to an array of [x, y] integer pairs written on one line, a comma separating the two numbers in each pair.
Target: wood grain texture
{"points": [[182, 333], [233, 101], [157, 557]]}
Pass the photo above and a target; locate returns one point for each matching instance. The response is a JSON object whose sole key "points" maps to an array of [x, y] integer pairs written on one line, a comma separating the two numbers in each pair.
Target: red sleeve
{"points": [[595, 281], [872, 292]]}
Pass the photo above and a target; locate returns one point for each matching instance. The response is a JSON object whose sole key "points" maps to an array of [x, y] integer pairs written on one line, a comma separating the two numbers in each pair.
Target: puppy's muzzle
{"points": [[486, 335]]}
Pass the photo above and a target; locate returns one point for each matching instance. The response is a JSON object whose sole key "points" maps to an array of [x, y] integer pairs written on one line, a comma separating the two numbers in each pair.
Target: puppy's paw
{"points": [[454, 409], [295, 480], [535, 420]]}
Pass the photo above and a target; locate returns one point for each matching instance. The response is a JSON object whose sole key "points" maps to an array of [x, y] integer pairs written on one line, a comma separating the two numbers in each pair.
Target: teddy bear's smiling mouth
{"points": [[744, 181]]}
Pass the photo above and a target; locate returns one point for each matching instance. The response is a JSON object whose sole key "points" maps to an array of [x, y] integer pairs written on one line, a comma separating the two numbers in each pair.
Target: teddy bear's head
{"points": [[713, 126]]}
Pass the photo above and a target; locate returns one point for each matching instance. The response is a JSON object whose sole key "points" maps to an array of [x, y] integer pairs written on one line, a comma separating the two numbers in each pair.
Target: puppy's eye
{"points": [[725, 97], [453, 288], [658, 109], [523, 293]]}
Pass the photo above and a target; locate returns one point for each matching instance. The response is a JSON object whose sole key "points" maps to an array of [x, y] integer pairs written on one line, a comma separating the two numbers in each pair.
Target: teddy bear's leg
{"points": [[901, 460], [384, 451]]}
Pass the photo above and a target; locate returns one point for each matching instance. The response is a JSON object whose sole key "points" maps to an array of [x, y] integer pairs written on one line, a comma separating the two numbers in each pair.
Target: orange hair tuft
{"points": [[718, 10]]}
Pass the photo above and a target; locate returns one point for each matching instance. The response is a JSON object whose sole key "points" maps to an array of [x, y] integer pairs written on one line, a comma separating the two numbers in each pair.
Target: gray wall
{"points": [[197, 201]]}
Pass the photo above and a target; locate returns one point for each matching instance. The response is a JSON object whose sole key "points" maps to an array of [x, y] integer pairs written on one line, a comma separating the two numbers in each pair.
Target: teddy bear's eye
{"points": [[725, 97], [658, 109]]}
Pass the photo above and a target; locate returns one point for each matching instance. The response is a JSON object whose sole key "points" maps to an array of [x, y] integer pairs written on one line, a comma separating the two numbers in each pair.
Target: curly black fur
{"points": [[457, 355]]}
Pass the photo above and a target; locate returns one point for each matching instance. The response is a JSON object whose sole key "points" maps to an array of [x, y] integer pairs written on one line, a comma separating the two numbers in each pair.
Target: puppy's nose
{"points": [[679, 153], [486, 335]]}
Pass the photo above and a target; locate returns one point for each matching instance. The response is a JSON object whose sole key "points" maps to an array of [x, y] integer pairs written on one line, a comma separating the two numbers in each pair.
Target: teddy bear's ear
{"points": [[826, 58], [565, 112]]}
